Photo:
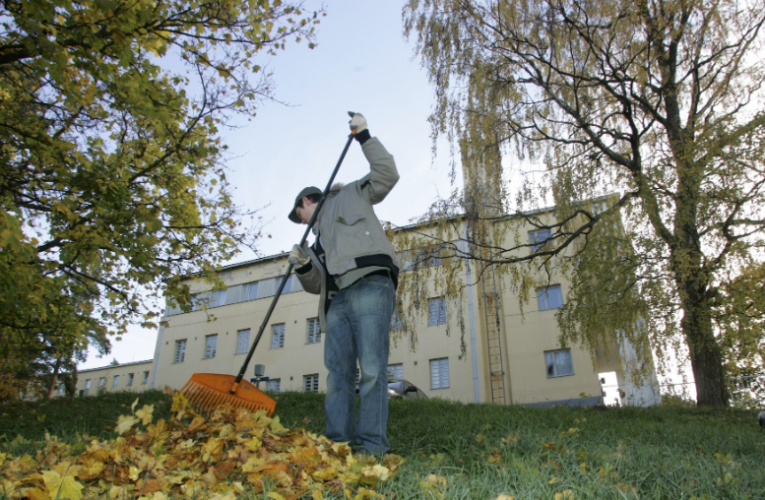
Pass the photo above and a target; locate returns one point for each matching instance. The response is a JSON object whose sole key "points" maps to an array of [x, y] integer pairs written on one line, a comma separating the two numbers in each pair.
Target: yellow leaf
{"points": [[553, 481], [274, 495], [145, 414], [124, 423], [378, 471], [132, 407], [502, 496], [439, 480], [62, 487], [325, 474], [275, 425]]}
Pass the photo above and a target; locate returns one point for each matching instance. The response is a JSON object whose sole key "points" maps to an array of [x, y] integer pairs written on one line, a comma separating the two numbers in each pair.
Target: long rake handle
{"points": [[289, 269]]}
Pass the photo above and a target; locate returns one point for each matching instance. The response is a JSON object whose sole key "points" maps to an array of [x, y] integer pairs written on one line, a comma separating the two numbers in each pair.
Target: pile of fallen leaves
{"points": [[216, 458]]}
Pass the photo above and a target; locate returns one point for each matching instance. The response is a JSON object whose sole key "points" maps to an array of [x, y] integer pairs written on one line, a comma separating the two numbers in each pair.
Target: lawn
{"points": [[454, 450]]}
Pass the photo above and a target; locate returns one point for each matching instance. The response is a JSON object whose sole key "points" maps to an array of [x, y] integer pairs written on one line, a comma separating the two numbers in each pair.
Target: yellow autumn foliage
{"points": [[223, 455]]}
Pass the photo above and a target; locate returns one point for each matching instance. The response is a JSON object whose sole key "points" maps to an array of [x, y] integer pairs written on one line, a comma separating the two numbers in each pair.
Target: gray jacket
{"points": [[348, 234]]}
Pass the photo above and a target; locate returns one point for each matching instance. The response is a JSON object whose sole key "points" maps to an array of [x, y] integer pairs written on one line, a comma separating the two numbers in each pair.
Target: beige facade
{"points": [[510, 357], [133, 377]]}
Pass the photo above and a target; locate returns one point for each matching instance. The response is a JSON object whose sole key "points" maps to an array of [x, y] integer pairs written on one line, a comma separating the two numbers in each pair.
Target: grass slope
{"points": [[482, 451]]}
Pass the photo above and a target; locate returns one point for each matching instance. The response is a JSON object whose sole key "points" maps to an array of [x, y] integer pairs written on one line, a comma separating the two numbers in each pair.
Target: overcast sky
{"points": [[362, 63]]}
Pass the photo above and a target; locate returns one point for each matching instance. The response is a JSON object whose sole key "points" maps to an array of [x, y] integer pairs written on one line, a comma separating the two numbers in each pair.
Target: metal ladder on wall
{"points": [[493, 336]]}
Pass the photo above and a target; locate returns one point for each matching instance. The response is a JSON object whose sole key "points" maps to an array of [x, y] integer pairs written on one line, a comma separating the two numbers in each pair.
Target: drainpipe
{"points": [[477, 397]]}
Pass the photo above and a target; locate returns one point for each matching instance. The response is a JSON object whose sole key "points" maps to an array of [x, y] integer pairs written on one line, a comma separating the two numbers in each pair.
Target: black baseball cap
{"points": [[305, 192]]}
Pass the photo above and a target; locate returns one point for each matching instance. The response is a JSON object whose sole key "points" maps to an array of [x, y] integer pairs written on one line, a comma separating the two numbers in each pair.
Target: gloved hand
{"points": [[298, 257], [358, 123]]}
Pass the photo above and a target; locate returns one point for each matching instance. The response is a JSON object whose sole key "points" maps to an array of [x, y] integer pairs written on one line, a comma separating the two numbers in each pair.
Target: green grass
{"points": [[485, 450]]}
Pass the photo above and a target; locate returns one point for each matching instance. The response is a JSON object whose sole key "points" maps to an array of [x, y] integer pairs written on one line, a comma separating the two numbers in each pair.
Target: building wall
{"points": [[89, 381], [530, 333], [297, 358], [526, 338]]}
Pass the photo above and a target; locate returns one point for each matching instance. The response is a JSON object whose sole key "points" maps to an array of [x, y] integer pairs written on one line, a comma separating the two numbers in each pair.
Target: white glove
{"points": [[358, 123], [298, 256]]}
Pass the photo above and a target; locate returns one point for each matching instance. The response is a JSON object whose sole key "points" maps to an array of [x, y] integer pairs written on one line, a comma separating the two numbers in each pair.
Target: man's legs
{"points": [[370, 303], [340, 360]]}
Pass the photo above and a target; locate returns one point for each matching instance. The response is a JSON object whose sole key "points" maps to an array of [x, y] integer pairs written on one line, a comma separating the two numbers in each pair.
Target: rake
{"points": [[208, 391]]}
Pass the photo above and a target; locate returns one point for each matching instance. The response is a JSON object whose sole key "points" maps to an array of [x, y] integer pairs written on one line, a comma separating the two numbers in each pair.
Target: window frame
{"points": [[316, 335], [554, 353], [311, 377], [282, 335], [396, 367], [145, 379], [438, 362], [116, 381], [239, 349], [131, 378], [278, 382], [535, 242], [207, 354], [544, 291], [396, 323], [180, 347], [441, 309]]}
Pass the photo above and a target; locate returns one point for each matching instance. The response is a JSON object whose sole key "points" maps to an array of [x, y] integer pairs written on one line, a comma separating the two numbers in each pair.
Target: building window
{"points": [[287, 288], [559, 363], [311, 383], [87, 385], [439, 373], [549, 297], [420, 258], [145, 377], [395, 321], [314, 331], [101, 382], [437, 311], [274, 385], [61, 389], [180, 351], [433, 256], [116, 381], [277, 336], [219, 298], [243, 341], [537, 239], [211, 342], [396, 372], [250, 291], [130, 379], [266, 288]]}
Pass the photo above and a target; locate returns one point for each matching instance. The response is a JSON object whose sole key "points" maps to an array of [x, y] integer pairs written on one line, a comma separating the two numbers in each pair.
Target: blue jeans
{"points": [[358, 329]]}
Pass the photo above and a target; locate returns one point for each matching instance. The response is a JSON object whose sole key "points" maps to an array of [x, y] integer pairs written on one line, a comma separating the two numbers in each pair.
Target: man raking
{"points": [[354, 269]]}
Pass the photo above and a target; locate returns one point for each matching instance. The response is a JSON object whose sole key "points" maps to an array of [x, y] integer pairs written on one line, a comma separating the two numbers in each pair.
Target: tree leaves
{"points": [[654, 101], [223, 454], [112, 183]]}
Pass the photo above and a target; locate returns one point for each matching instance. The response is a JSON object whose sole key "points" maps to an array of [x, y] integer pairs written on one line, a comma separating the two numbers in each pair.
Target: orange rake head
{"points": [[210, 391]]}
